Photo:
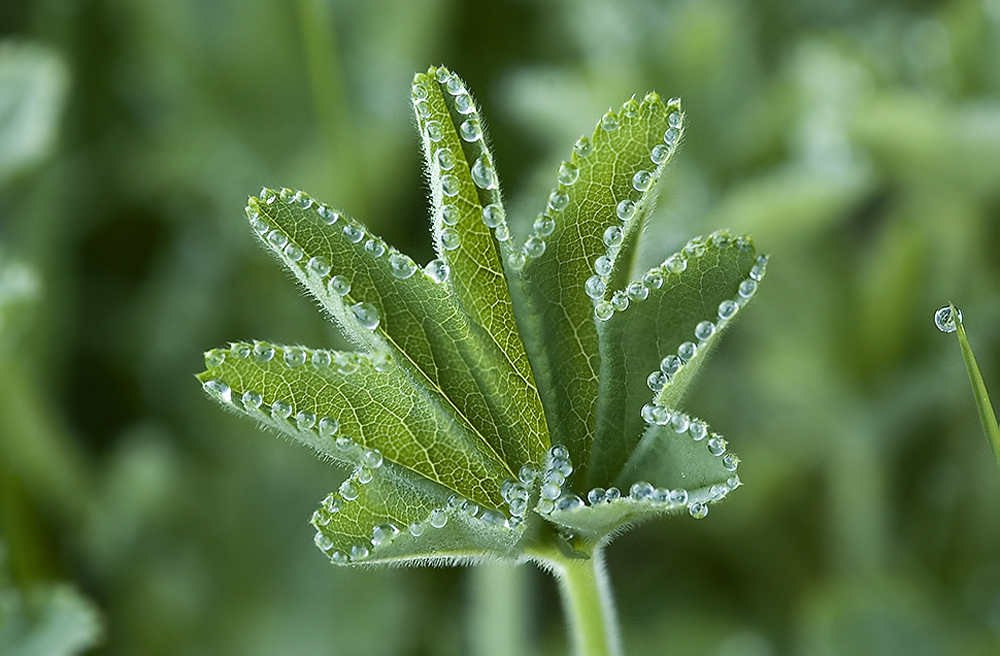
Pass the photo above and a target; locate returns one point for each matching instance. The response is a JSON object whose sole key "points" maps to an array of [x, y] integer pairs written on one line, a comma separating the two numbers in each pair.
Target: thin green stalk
{"points": [[588, 603], [498, 616], [986, 414]]}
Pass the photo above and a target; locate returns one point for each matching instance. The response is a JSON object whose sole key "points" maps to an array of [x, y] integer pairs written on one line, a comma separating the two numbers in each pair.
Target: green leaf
{"points": [[335, 401], [391, 515], [681, 302], [598, 191]]}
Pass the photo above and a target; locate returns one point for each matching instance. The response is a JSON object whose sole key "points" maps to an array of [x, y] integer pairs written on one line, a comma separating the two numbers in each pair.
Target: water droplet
{"points": [[613, 236], [568, 174], [602, 265], [450, 239], [437, 270], [344, 443], [446, 159], [720, 239], [305, 420], [434, 131], [596, 496], [303, 200], [323, 542], [214, 358], [733, 482], [694, 248], [730, 462], [321, 359], [464, 104], [659, 154], [657, 380], [422, 108], [583, 147], [383, 534], [558, 452], [295, 357], [417, 529], [494, 518], [353, 233], [544, 225], [757, 272], [534, 247], [219, 389], [372, 458], [527, 474], [401, 266], [679, 423], [676, 263], [333, 504], [240, 350], [339, 558], [328, 216], [569, 502], [506, 489], [630, 107], [454, 85], [674, 119], [483, 174], [349, 490], [516, 261], [717, 446], [748, 287], [471, 130], [328, 426], [604, 310], [625, 210], [442, 74], [641, 491], [450, 185], [697, 430], [558, 201], [944, 319], [375, 247], [339, 285], [251, 400], [259, 225], [594, 287], [671, 135], [263, 351], [637, 292], [661, 415], [551, 491], [727, 309], [439, 518], [704, 330], [647, 413], [449, 215], [287, 195], [470, 508], [698, 510], [609, 122], [620, 301], [686, 351], [518, 507], [612, 494], [418, 92], [642, 180], [364, 475], [359, 552], [319, 266], [277, 238], [366, 314], [554, 476], [679, 497], [493, 215], [281, 410], [293, 252], [652, 280]]}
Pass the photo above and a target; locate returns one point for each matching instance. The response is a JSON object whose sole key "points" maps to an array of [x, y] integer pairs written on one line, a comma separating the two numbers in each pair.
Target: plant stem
{"points": [[986, 414], [588, 602], [497, 613]]}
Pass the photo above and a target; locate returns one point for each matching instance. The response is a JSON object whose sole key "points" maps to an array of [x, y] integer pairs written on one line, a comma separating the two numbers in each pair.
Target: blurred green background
{"points": [[859, 142]]}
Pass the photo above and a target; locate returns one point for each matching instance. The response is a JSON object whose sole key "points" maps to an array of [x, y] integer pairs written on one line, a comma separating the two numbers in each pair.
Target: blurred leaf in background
{"points": [[859, 141]]}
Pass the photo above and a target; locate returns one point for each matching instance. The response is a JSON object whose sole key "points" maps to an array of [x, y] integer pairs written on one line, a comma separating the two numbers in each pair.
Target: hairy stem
{"points": [[588, 603], [498, 616]]}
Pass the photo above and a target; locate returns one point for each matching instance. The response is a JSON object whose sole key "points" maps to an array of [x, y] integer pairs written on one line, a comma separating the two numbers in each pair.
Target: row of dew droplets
{"points": [[642, 180], [555, 493]]}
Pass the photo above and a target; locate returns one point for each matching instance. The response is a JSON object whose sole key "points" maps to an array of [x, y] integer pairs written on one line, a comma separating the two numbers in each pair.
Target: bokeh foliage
{"points": [[858, 142]]}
